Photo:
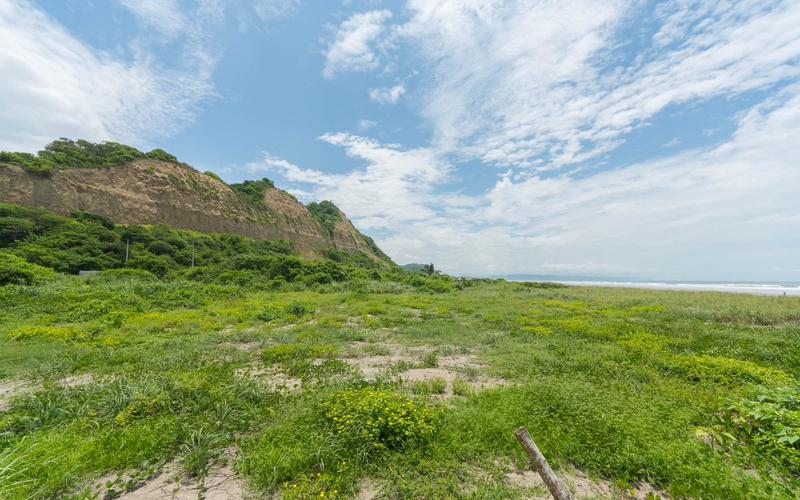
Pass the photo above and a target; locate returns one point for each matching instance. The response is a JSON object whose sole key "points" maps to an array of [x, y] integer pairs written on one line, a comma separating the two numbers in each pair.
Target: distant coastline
{"points": [[749, 287]]}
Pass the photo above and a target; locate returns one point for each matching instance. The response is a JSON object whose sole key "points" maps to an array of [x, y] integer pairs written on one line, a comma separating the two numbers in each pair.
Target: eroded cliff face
{"points": [[151, 191]]}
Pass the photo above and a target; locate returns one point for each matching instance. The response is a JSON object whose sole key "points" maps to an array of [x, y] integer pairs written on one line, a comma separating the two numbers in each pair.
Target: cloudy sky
{"points": [[586, 137]]}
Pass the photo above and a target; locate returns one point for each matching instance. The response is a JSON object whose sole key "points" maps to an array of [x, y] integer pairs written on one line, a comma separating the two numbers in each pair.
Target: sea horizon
{"points": [[765, 287]]}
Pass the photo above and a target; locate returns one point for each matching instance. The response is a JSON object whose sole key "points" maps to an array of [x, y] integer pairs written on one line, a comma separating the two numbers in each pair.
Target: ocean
{"points": [[788, 289]]}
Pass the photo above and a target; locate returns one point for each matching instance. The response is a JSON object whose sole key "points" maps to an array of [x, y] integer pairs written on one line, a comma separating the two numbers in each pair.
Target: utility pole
{"points": [[127, 248]]}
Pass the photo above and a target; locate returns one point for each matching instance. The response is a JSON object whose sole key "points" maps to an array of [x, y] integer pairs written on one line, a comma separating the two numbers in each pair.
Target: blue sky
{"points": [[590, 137]]}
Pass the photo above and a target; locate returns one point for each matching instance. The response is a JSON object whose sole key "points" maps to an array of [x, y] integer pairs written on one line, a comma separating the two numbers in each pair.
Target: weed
{"points": [[430, 360], [375, 419], [438, 385], [462, 388]]}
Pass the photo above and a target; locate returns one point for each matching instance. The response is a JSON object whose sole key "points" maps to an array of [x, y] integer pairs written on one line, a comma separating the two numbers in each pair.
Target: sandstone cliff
{"points": [[148, 191]]}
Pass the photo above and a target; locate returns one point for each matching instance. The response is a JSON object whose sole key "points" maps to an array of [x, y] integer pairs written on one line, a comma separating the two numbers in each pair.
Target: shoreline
{"points": [[752, 289]]}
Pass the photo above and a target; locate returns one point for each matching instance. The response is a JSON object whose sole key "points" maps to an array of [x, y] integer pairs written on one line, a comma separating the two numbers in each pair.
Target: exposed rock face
{"points": [[149, 191]]}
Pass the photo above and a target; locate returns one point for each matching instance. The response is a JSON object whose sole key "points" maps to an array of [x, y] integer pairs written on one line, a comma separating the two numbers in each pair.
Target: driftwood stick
{"points": [[549, 478]]}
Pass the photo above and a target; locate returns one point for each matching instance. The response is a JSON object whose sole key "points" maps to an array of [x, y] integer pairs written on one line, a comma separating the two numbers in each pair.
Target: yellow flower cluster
{"points": [[379, 418], [306, 487], [45, 333]]}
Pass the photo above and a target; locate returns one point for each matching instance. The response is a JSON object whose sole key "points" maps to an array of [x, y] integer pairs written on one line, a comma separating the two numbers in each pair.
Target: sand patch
{"points": [[243, 346], [76, 380], [11, 388], [579, 485], [221, 483], [275, 379], [450, 367], [477, 383], [367, 490]]}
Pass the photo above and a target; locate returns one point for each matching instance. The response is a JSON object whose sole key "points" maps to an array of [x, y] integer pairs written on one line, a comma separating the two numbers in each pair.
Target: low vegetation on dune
{"points": [[387, 384], [192, 357]]}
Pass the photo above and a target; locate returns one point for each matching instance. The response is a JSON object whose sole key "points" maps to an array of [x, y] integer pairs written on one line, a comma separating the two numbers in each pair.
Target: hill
{"points": [[132, 187]]}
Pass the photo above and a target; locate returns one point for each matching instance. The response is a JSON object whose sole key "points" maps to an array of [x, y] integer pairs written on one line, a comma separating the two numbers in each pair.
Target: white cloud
{"points": [[395, 185], [366, 124], [163, 15], [55, 86], [515, 82], [387, 95], [271, 9], [727, 212], [351, 47]]}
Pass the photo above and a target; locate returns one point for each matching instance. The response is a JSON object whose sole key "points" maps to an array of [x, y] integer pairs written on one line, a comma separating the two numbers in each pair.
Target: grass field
{"points": [[372, 391]]}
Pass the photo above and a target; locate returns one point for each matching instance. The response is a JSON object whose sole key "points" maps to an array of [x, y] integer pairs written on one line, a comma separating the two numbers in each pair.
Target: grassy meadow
{"points": [[316, 391]]}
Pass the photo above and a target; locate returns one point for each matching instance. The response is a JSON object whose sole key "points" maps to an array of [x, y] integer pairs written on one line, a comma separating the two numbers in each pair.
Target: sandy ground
{"points": [[367, 490], [579, 486], [450, 367], [276, 380], [11, 388], [221, 483]]}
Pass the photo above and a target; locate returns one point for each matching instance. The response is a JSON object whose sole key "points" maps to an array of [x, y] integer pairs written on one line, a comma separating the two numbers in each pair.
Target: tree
{"points": [[428, 269]]}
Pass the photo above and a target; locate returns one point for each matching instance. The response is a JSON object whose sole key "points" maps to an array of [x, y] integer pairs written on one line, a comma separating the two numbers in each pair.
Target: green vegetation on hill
{"points": [[694, 393], [375, 249], [65, 153], [85, 241], [68, 154], [326, 213], [252, 192]]}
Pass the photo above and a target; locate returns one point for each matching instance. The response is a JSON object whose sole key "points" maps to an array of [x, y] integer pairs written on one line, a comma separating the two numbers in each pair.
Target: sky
{"points": [[658, 140]]}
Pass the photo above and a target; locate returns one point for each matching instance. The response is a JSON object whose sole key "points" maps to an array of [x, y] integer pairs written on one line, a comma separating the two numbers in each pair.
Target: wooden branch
{"points": [[549, 478]]}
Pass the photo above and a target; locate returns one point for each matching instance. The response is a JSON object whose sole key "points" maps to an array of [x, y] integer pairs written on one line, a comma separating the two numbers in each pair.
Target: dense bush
{"points": [[87, 241], [66, 153], [325, 213], [90, 242], [16, 271], [253, 191], [375, 419], [154, 265], [213, 176], [768, 424]]}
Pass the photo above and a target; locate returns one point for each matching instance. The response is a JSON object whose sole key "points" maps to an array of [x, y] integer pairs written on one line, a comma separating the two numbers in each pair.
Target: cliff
{"points": [[149, 191]]}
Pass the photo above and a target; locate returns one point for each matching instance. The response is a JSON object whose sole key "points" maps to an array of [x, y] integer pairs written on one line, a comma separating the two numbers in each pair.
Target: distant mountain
{"points": [[131, 187], [413, 267]]}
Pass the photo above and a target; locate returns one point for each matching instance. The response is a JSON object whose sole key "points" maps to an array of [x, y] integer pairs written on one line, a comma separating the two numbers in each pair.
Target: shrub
{"points": [[268, 313], [124, 274], [768, 424], [325, 213], [376, 419], [297, 308], [420, 387], [430, 359], [438, 385], [462, 388], [44, 333], [725, 370], [213, 176], [88, 310], [17, 271], [238, 278], [154, 265], [160, 154], [13, 229], [92, 218], [296, 352]]}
